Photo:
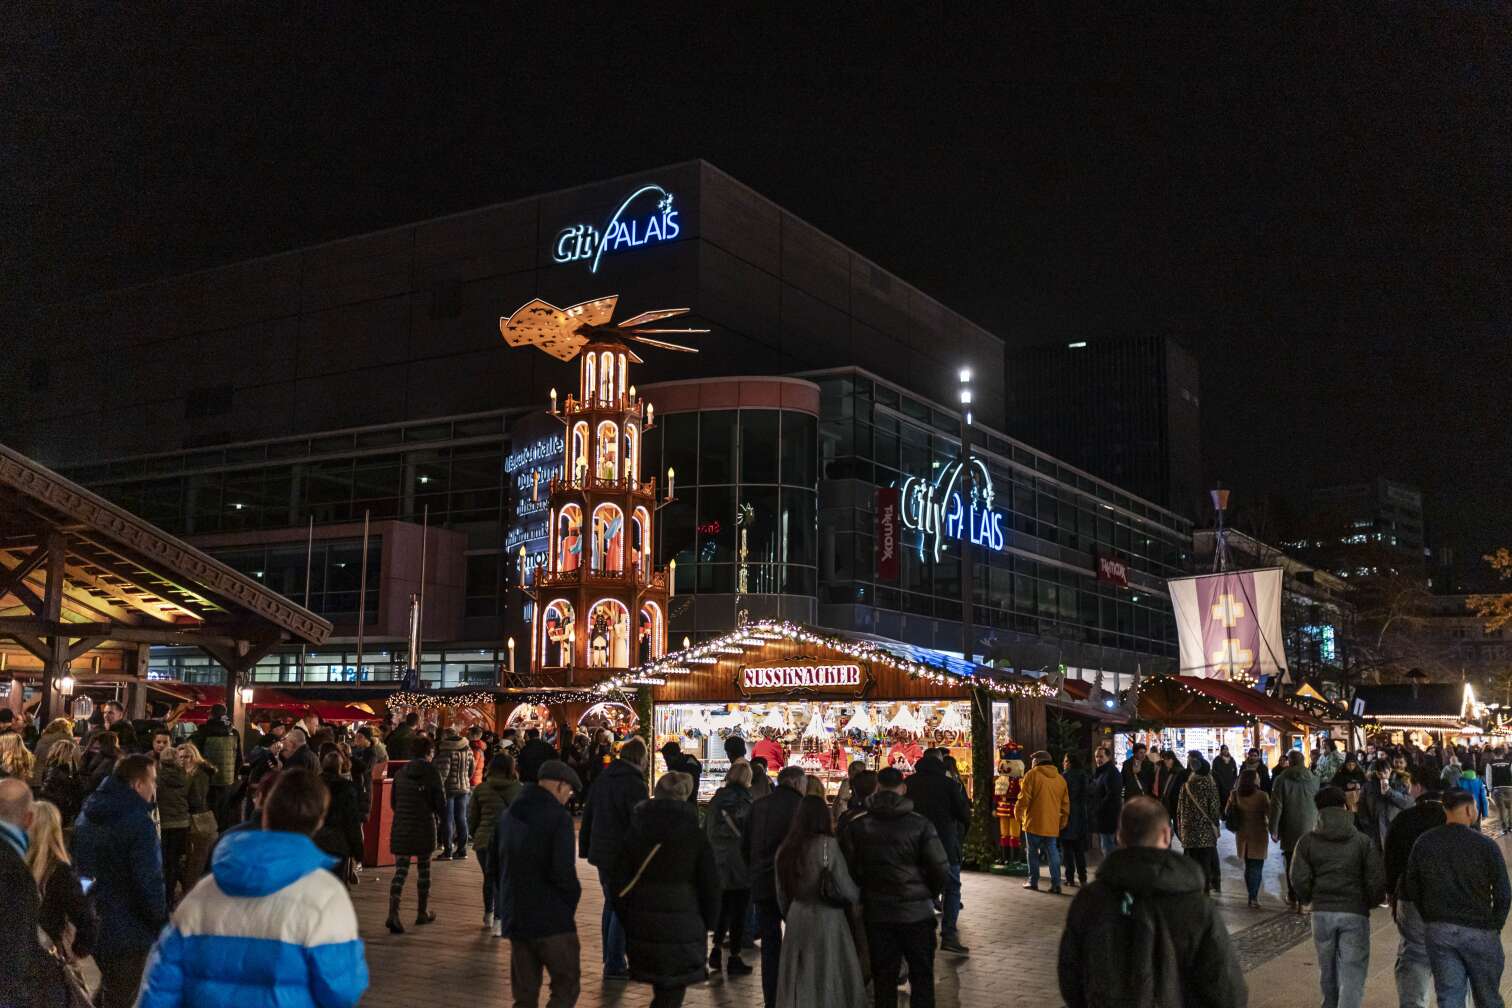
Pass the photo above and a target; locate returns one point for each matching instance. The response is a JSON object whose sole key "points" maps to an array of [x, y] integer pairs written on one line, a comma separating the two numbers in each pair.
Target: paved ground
{"points": [[1013, 935]]}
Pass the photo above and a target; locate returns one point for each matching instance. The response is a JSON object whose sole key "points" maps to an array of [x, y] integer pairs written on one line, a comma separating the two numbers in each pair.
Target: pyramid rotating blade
{"points": [[652, 316]]}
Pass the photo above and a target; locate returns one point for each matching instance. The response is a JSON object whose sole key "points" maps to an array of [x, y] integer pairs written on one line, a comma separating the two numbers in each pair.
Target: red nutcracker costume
{"points": [[1005, 790]]}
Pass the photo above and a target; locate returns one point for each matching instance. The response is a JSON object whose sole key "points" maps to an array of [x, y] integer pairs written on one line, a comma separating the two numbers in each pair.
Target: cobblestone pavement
{"points": [[1013, 935]]}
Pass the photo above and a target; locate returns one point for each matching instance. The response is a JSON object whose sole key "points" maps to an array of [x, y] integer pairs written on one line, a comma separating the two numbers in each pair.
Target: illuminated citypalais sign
{"points": [[935, 509], [645, 217], [804, 675]]}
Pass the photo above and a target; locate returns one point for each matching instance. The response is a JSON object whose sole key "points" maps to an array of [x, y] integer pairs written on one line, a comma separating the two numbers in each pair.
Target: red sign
{"points": [[889, 533], [1113, 571]]}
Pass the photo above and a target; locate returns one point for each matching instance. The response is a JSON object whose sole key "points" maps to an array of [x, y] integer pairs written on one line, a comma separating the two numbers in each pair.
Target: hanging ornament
{"points": [[861, 723], [905, 720], [774, 720], [816, 730], [953, 722]]}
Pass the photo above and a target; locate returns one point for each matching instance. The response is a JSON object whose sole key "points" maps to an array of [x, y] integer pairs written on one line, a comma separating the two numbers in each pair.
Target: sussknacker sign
{"points": [[801, 676]]}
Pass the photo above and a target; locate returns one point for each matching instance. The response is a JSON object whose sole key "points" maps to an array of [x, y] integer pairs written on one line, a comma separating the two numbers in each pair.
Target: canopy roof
{"points": [[1193, 702], [1431, 705], [708, 670], [122, 579]]}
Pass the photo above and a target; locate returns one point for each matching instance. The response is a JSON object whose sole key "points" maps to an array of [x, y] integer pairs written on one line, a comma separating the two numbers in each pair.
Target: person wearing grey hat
{"points": [[538, 887]]}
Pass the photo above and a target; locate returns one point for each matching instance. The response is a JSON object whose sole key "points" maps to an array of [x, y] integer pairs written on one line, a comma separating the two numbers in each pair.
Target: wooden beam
{"points": [[32, 643], [83, 646], [33, 559], [187, 636]]}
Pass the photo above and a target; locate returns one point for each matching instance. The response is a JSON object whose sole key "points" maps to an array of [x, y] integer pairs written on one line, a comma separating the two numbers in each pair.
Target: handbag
{"points": [[1233, 816], [75, 993], [829, 889]]}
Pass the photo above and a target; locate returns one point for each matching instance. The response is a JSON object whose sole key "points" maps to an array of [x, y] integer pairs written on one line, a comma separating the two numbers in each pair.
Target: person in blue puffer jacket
{"points": [[268, 925]]}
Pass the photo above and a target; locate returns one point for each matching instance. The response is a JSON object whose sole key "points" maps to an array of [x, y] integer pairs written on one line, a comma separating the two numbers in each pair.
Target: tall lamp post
{"points": [[981, 839]]}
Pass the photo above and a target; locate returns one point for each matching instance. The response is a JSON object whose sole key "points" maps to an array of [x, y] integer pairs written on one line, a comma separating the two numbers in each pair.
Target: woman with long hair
{"points": [[1197, 812], [726, 824], [63, 780], [67, 917], [202, 828], [15, 759], [1253, 839], [814, 886], [341, 834], [57, 730], [1073, 836]]}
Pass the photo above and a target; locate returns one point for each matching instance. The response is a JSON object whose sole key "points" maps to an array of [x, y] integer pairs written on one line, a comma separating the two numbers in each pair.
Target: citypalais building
{"points": [[816, 427]]}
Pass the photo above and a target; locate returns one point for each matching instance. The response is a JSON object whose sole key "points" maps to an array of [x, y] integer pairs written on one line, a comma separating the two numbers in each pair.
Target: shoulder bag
{"points": [[1186, 787], [60, 961], [1233, 815], [829, 889], [639, 872]]}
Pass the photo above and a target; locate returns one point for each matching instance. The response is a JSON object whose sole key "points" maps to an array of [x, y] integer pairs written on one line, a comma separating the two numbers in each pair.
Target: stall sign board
{"points": [[800, 677]]}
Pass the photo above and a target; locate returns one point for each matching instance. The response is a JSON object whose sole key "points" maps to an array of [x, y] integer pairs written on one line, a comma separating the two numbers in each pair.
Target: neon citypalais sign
{"points": [[936, 511], [645, 217]]}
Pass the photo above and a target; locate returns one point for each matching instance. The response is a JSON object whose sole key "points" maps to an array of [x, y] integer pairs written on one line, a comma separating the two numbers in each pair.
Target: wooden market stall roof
{"points": [[711, 670], [1424, 707], [1193, 702], [78, 573]]}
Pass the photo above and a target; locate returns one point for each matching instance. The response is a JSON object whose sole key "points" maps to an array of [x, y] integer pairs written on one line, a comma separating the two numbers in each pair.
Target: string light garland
{"points": [[432, 701], [761, 633]]}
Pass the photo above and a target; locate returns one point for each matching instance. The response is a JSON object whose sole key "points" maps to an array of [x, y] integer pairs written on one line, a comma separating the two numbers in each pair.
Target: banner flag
{"points": [[1229, 624]]}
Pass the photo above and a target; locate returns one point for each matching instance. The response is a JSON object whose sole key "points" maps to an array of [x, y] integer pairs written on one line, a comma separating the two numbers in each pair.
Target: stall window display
{"points": [[822, 737]]}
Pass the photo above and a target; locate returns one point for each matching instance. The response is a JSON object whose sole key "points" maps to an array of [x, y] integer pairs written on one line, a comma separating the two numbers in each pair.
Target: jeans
{"points": [[1254, 871], [769, 930], [951, 913], [1043, 847], [558, 953], [890, 945], [1343, 942], [613, 932], [1501, 800], [1109, 842], [487, 860], [732, 918], [1465, 960], [1414, 976], [454, 825]]}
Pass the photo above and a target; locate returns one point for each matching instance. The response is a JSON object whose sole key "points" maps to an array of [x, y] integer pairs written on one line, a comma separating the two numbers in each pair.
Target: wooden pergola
{"points": [[81, 579]]}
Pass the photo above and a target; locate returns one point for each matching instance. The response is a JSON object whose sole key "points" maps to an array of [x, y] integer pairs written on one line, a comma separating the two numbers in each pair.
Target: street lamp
{"points": [[246, 694], [66, 685]]}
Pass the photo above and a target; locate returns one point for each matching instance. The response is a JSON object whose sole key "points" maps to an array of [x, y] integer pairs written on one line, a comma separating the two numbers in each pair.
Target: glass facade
{"points": [[1055, 522], [382, 664], [725, 460], [448, 471]]}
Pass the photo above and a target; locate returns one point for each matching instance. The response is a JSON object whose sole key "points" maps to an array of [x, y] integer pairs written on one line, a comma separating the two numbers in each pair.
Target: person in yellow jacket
{"points": [[1044, 808]]}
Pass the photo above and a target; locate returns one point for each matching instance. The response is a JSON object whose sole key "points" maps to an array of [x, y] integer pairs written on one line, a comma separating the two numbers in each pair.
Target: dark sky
{"points": [[1317, 203]]}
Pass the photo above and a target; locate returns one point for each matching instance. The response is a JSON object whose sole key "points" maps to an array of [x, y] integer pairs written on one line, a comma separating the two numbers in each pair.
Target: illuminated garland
{"points": [[1245, 719], [431, 701], [551, 697], [761, 633]]}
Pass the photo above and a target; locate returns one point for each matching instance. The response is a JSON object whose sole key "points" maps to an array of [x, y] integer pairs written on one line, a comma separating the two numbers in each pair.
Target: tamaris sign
{"points": [[888, 531]]}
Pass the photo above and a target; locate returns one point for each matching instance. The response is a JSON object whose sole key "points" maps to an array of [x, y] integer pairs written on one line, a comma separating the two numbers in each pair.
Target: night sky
{"points": [[1316, 203]]}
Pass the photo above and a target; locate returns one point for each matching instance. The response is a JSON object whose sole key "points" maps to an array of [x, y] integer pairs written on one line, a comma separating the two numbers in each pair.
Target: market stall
{"points": [[1420, 713], [820, 700], [1190, 713]]}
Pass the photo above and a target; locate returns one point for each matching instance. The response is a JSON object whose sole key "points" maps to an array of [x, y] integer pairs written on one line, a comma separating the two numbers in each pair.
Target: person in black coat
{"points": [[341, 834], [21, 963], [538, 889], [1139, 774], [419, 800], [1145, 931], [771, 818], [606, 821], [943, 802], [1073, 835], [1225, 773], [63, 901], [680, 762], [1106, 799], [667, 891]]}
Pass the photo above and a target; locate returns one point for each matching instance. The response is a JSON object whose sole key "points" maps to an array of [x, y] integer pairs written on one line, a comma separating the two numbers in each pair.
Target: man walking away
{"points": [[1144, 934], [1414, 977], [454, 761], [897, 860], [538, 888], [1499, 780], [771, 817], [1044, 808], [942, 801], [1293, 813], [268, 902], [1337, 870], [116, 844], [20, 955], [606, 820], [1457, 879]]}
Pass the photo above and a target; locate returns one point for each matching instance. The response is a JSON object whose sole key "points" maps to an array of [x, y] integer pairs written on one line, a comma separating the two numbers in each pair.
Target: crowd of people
{"points": [[197, 869]]}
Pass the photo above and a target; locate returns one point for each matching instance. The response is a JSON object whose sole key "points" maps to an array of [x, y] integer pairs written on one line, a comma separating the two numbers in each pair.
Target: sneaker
{"points": [[1055, 890], [737, 967], [488, 921], [954, 947], [715, 959], [443, 857], [1031, 886]]}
